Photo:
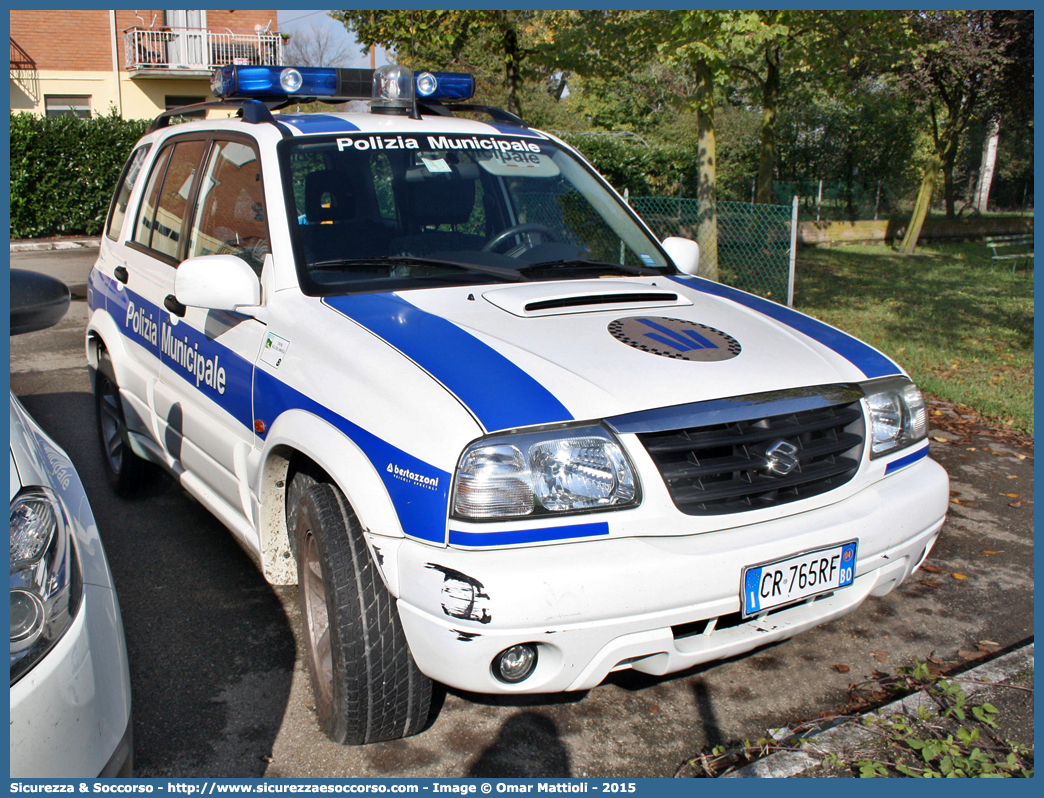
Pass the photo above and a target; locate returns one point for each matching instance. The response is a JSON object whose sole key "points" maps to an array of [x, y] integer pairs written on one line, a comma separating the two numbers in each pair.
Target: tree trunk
{"points": [[707, 207], [989, 163], [769, 104], [512, 61], [924, 201]]}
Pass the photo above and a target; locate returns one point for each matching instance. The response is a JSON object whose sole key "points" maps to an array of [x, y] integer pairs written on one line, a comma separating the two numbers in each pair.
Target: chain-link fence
{"points": [[834, 200], [753, 241]]}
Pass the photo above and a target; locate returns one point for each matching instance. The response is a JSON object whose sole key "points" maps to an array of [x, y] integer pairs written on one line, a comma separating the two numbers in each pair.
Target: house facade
{"points": [[135, 63]]}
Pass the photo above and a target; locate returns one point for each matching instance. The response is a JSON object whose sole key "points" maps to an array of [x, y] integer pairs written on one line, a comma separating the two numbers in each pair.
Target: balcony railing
{"points": [[178, 51]]}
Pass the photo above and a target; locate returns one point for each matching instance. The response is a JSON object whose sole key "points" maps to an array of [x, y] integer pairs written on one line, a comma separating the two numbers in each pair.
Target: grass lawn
{"points": [[958, 322]]}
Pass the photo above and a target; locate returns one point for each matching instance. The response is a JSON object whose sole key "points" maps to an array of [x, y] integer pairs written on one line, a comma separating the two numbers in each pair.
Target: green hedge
{"points": [[64, 170]]}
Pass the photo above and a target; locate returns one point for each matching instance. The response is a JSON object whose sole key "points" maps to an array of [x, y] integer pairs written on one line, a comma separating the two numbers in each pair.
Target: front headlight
{"points": [[898, 417], [46, 585], [543, 473]]}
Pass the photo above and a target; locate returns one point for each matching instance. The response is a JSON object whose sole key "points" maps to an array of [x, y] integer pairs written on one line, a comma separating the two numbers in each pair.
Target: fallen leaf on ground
{"points": [[930, 583], [1017, 504], [1021, 456], [1013, 476], [971, 655], [969, 504], [842, 668], [937, 438], [959, 576], [988, 551], [1012, 495], [992, 643], [932, 569], [880, 656]]}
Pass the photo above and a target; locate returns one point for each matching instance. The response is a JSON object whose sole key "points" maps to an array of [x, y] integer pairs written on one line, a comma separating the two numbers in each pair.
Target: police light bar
{"points": [[389, 85]]}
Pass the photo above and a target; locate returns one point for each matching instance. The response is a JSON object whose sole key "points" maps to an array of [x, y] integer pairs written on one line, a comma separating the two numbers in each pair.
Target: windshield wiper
{"points": [[513, 275], [594, 264]]}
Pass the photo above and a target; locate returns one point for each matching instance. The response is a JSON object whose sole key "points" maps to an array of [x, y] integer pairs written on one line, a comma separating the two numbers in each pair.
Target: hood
{"points": [[535, 353]]}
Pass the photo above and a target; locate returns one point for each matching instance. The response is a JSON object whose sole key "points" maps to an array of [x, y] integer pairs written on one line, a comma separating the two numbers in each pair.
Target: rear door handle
{"points": [[121, 274]]}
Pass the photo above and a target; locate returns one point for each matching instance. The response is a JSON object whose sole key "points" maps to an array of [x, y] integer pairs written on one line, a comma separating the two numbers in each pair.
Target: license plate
{"points": [[799, 577]]}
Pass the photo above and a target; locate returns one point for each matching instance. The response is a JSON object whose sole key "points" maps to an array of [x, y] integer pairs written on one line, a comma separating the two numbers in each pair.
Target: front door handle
{"points": [[121, 274]]}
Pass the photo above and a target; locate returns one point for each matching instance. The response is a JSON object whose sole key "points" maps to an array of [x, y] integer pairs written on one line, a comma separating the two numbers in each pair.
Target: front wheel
{"points": [[367, 687]]}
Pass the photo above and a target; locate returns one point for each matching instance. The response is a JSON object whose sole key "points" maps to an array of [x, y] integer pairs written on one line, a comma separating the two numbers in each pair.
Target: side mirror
{"points": [[217, 282], [684, 252], [38, 301]]}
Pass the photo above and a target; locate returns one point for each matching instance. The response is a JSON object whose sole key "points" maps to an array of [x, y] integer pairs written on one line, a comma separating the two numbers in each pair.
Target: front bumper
{"points": [[600, 606], [71, 714]]}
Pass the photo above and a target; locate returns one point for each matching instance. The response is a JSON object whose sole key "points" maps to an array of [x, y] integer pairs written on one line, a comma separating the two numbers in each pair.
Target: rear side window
{"points": [[163, 210], [123, 191]]}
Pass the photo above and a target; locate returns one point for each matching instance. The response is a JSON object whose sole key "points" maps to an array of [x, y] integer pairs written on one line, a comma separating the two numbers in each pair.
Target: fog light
{"points": [[515, 664]]}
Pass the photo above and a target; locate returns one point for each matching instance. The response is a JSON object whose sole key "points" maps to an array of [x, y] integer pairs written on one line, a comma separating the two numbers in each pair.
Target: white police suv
{"points": [[436, 372]]}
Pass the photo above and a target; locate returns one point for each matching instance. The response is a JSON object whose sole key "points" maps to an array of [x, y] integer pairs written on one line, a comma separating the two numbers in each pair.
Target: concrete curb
{"points": [[853, 734], [52, 244]]}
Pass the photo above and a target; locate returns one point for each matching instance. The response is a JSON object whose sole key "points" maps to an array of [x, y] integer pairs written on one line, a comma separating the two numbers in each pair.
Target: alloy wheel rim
{"points": [[318, 619]]}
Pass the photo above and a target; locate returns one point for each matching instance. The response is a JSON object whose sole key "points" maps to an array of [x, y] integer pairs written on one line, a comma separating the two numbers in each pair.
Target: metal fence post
{"points": [[793, 252]]}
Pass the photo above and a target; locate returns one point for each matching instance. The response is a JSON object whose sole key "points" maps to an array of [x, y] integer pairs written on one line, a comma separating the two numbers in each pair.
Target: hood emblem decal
{"points": [[675, 338]]}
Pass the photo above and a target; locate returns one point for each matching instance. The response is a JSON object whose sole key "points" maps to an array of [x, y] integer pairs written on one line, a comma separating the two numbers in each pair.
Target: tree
{"points": [[1012, 99], [958, 63], [318, 46]]}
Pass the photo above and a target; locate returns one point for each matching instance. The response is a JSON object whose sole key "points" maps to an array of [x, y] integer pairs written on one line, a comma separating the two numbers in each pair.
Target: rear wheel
{"points": [[367, 687], [128, 474]]}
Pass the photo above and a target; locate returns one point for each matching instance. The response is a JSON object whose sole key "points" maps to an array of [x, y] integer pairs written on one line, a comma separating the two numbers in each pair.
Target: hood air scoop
{"points": [[581, 296]]}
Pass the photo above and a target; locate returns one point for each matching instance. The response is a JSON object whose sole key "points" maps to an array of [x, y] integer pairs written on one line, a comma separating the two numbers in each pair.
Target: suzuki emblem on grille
{"points": [[780, 457]]}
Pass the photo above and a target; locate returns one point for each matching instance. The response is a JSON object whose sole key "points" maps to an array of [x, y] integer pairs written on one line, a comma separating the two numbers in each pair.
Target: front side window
{"points": [[230, 212], [123, 191], [162, 212], [390, 213]]}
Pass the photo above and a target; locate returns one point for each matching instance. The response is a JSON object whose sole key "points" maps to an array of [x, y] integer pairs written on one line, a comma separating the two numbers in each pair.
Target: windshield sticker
{"points": [[647, 259], [476, 143], [436, 165], [274, 350], [378, 143]]}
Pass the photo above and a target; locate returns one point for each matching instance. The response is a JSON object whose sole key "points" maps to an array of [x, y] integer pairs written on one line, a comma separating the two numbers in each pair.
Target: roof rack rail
{"points": [[253, 111], [498, 114]]}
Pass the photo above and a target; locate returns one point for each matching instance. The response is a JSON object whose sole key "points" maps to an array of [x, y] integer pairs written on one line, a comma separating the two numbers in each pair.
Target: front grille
{"points": [[764, 460]]}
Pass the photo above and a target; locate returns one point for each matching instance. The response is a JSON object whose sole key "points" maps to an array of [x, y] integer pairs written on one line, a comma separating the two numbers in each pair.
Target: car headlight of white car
{"points": [[46, 584], [553, 472], [898, 417]]}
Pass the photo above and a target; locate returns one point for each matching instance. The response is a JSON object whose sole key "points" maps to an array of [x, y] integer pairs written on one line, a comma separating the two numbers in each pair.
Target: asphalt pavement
{"points": [[221, 686]]}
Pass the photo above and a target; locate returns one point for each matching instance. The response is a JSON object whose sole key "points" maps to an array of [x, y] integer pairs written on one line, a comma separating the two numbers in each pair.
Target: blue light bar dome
{"points": [[389, 87]]}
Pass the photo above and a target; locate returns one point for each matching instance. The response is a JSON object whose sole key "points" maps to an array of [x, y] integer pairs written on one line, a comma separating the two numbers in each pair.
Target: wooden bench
{"points": [[1013, 248]]}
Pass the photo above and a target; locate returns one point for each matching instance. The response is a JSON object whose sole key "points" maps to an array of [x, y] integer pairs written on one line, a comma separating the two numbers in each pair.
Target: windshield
{"points": [[392, 212]]}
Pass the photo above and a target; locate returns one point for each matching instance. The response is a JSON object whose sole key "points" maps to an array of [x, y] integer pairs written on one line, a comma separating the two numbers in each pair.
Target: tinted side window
{"points": [[166, 200], [123, 191], [230, 213]]}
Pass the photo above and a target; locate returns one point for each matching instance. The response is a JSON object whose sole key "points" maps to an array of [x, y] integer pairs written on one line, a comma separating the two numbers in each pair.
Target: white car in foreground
{"points": [[436, 372], [70, 683]]}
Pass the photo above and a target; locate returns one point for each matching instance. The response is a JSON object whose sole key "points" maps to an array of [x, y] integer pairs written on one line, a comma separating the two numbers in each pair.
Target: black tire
{"points": [[128, 474], [366, 686]]}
